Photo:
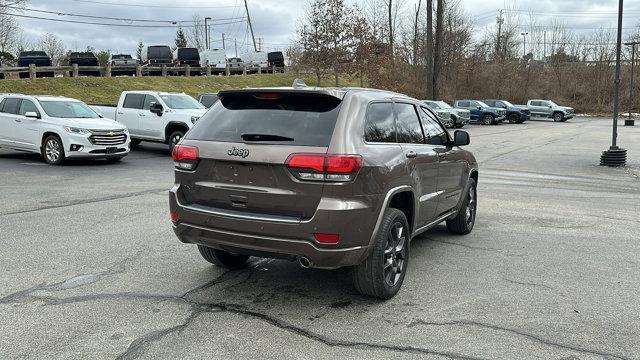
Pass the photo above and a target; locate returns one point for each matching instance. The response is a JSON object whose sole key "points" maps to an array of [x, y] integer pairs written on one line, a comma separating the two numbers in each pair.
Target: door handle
{"points": [[17, 120], [412, 155], [120, 113]]}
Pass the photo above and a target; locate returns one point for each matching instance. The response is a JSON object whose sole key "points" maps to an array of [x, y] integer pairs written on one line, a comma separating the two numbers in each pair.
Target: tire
{"points": [[514, 119], [222, 258], [558, 117], [381, 275], [175, 138], [465, 220], [53, 150], [488, 119], [135, 143]]}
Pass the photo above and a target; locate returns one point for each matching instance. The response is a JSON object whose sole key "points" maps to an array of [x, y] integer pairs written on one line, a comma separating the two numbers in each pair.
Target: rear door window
{"points": [[133, 101], [11, 106], [408, 124], [287, 119], [380, 126], [464, 104]]}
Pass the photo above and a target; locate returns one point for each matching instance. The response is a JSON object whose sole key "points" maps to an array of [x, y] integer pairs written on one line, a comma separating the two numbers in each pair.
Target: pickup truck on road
{"points": [[154, 116], [550, 110]]}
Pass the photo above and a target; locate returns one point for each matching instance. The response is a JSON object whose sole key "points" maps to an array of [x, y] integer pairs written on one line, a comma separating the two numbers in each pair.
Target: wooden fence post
{"points": [[244, 69], [138, 70], [273, 69], [187, 70], [74, 70], [32, 71], [227, 71], [108, 71], [259, 70], [208, 70], [164, 70]]}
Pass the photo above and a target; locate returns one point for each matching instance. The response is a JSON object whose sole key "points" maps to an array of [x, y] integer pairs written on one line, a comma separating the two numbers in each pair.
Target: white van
{"points": [[253, 60], [216, 58]]}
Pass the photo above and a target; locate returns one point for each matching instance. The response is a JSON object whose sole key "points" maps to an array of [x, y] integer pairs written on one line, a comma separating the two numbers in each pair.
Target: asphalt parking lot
{"points": [[92, 269]]}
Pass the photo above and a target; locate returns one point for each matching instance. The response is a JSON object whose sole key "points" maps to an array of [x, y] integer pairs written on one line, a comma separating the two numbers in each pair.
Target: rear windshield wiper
{"points": [[265, 137]]}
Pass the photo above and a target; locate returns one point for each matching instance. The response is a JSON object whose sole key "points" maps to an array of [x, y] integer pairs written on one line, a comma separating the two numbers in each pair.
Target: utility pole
{"points": [[206, 33], [500, 21], [235, 43], [255, 47], [544, 45], [616, 156], [224, 47], [524, 50], [630, 121]]}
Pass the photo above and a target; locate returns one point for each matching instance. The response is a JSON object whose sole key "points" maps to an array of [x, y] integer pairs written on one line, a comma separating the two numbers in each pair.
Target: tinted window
{"points": [[159, 52], [408, 124], [133, 101], [28, 106], [208, 100], [188, 54], [148, 99], [11, 106], [463, 104], [436, 135], [490, 103], [2, 104], [298, 119], [380, 126]]}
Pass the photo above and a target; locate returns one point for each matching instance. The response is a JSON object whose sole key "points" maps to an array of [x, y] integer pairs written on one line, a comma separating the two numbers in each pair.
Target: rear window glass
{"points": [[160, 52], [301, 119], [188, 53], [380, 126]]}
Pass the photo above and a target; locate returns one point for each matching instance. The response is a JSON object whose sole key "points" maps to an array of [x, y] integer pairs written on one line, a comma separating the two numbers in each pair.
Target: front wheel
{"points": [[558, 117], [464, 221], [488, 119], [382, 273], [53, 150], [175, 138], [514, 119]]}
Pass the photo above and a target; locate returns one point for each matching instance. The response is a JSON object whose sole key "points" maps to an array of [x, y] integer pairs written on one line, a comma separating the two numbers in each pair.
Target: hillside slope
{"points": [[96, 90]]}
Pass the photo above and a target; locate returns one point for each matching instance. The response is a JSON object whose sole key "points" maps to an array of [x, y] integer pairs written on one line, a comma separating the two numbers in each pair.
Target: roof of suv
{"points": [[373, 94]]}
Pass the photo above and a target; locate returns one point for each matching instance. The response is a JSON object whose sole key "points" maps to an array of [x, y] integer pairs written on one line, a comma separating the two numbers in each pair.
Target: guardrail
{"points": [[108, 71]]}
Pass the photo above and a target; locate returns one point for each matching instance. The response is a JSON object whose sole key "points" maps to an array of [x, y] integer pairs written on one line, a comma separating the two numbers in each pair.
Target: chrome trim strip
{"points": [[238, 215]]}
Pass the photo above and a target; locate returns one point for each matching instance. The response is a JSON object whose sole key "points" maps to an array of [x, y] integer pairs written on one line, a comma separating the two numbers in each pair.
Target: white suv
{"points": [[59, 128]]}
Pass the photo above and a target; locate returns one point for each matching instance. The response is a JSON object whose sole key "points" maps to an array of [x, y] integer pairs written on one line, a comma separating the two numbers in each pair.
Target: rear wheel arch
{"points": [[404, 201], [173, 127]]}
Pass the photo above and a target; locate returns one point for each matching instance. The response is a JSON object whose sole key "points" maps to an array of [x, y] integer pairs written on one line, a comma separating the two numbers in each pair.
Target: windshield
{"points": [[68, 109], [480, 103], [181, 102], [552, 103], [507, 103], [432, 105], [444, 105]]}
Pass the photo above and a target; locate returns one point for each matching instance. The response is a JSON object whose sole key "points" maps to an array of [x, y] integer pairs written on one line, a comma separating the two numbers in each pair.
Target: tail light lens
{"points": [[185, 157], [327, 238], [322, 167]]}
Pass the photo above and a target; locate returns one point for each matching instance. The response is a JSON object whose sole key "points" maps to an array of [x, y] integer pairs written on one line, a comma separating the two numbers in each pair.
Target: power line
{"points": [[174, 22], [116, 25], [152, 6]]}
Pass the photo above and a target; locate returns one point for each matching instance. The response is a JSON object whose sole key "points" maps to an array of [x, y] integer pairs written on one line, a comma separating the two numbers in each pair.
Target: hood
{"points": [[565, 108], [189, 112], [92, 124], [520, 107], [462, 112]]}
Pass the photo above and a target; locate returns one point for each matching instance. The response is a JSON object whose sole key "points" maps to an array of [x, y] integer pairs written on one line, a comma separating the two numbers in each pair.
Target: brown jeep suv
{"points": [[325, 177]]}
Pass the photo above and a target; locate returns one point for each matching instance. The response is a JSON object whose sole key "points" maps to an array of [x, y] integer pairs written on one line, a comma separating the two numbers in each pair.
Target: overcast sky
{"points": [[274, 20]]}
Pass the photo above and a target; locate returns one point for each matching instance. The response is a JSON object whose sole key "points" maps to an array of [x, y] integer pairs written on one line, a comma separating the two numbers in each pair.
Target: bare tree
{"points": [[53, 46], [429, 50], [437, 51], [196, 35]]}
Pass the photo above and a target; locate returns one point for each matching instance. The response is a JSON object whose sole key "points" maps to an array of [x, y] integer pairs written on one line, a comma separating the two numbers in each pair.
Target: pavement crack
{"points": [[536, 338], [462, 245], [88, 201], [529, 284]]}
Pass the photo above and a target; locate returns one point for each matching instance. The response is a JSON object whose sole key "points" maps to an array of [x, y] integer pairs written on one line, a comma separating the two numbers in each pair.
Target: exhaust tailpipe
{"points": [[304, 262]]}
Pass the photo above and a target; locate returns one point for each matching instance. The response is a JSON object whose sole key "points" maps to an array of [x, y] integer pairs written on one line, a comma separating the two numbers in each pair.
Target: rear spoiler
{"points": [[336, 93]]}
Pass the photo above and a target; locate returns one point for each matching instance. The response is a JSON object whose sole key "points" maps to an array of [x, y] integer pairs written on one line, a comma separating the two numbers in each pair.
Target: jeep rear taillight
{"points": [[185, 157], [321, 167]]}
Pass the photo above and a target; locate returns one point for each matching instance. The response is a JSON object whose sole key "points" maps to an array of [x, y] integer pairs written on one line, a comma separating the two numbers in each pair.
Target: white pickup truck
{"points": [[154, 116]]}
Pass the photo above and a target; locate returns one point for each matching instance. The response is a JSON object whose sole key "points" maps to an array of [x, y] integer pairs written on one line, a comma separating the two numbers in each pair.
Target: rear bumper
{"points": [[352, 220]]}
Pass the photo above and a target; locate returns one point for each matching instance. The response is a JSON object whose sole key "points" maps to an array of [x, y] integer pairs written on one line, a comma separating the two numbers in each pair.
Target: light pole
{"points": [[524, 38], [206, 32], [616, 156], [630, 121]]}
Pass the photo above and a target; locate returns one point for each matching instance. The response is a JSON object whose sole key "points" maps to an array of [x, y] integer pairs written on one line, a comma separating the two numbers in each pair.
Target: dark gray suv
{"points": [[325, 177]]}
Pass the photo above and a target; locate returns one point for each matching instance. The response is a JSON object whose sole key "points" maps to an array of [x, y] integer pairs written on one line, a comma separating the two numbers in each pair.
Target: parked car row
{"points": [[493, 111], [159, 55]]}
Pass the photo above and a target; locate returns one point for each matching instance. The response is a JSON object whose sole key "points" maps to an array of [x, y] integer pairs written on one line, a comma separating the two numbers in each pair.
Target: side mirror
{"points": [[461, 138], [479, 107], [550, 107], [32, 115], [156, 109]]}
